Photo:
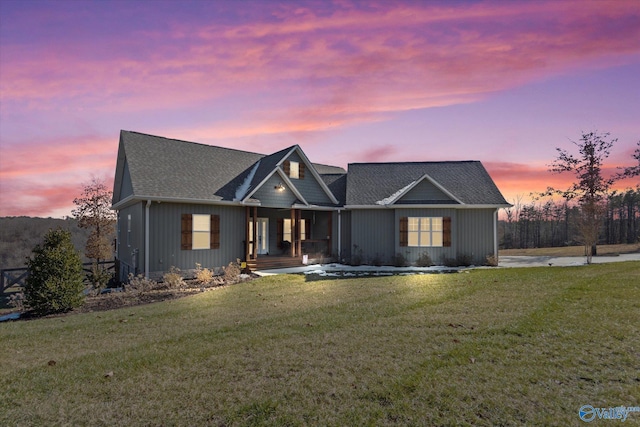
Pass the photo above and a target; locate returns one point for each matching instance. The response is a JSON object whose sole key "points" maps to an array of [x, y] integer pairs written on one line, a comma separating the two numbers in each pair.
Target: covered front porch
{"points": [[283, 237]]}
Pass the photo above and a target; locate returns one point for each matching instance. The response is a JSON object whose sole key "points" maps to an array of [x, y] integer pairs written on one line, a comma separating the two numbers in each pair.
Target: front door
{"points": [[262, 235]]}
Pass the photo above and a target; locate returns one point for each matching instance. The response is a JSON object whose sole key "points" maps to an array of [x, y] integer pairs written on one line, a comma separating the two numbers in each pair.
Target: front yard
{"points": [[485, 347]]}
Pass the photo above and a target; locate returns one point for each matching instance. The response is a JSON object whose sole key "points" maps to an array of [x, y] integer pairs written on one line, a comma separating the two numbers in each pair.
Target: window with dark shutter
{"points": [[215, 232], [404, 231], [425, 231], [446, 232], [204, 234], [301, 171], [186, 241], [286, 167]]}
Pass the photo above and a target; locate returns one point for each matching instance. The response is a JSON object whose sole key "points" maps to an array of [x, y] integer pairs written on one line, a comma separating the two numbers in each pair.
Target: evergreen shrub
{"points": [[54, 283]]}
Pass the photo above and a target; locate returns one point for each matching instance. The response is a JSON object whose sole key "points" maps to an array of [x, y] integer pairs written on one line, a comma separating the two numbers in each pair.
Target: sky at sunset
{"points": [[502, 82]]}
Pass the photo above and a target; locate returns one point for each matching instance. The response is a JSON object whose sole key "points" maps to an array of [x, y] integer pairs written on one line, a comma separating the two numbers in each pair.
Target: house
{"points": [[180, 203]]}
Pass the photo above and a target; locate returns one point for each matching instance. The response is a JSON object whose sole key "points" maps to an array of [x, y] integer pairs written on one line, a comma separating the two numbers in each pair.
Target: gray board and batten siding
{"points": [[372, 234], [475, 234], [471, 234], [130, 236], [165, 234]]}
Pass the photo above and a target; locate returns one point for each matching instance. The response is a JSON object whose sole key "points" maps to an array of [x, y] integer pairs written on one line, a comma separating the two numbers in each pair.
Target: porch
{"points": [[277, 238], [269, 262]]}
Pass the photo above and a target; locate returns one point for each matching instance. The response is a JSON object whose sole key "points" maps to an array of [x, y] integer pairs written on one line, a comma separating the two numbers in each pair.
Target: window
{"points": [[200, 231], [286, 230], [425, 231], [293, 169]]}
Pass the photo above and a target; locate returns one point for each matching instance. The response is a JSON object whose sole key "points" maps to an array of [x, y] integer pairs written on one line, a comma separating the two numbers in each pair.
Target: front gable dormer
{"points": [[285, 173], [424, 190], [427, 191], [303, 175]]}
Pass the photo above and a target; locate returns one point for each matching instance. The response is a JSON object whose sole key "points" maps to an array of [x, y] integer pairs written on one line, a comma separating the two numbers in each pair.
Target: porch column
{"points": [[254, 238], [247, 238], [330, 234], [293, 232], [298, 233]]}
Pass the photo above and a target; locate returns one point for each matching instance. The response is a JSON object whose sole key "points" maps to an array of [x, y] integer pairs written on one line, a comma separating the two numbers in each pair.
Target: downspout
{"points": [[339, 236], [495, 235], [146, 239]]}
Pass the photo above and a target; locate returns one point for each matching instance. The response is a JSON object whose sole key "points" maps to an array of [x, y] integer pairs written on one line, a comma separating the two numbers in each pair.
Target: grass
{"points": [[486, 347], [603, 250]]}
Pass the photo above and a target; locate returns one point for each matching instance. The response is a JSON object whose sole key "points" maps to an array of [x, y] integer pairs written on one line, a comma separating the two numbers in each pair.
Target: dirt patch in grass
{"points": [[120, 299], [128, 299]]}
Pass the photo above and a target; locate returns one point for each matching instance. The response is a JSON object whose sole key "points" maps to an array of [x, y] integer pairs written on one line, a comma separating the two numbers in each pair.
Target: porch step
{"points": [[271, 262]]}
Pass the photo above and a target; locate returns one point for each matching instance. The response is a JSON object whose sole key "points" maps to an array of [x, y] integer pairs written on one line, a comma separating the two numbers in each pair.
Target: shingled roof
{"points": [[170, 169], [167, 168], [466, 181]]}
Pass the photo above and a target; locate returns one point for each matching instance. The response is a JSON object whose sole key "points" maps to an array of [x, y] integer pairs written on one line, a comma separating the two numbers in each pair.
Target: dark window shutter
{"points": [[280, 232], [286, 166], [404, 231], [307, 229], [301, 170], [215, 232], [186, 242], [446, 232]]}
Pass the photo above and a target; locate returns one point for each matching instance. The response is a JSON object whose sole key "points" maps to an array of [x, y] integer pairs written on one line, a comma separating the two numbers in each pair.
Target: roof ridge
{"points": [[195, 143], [415, 163], [324, 164]]}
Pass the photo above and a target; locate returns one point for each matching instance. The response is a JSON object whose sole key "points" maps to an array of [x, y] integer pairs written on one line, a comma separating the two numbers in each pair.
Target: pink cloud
{"points": [[393, 58], [292, 73], [57, 155], [45, 176], [378, 154], [40, 200], [517, 180]]}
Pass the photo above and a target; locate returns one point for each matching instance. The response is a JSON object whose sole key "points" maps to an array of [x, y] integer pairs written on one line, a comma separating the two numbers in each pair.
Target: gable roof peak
{"points": [[415, 162]]}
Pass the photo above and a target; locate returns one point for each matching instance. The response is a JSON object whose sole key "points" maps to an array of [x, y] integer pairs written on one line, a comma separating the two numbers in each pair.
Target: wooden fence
{"points": [[16, 276]]}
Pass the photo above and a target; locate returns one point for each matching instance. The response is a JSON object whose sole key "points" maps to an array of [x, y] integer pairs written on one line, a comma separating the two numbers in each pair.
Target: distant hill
{"points": [[19, 235]]}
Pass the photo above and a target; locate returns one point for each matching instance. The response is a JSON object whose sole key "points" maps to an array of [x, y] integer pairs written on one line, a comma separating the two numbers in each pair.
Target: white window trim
{"points": [[201, 231], [425, 237]]}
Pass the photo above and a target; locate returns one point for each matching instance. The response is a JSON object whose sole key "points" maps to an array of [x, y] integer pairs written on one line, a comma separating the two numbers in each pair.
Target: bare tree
{"points": [[591, 187], [589, 222], [94, 212], [634, 170]]}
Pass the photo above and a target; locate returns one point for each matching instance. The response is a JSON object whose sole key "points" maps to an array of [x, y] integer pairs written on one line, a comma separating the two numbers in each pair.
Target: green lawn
{"points": [[486, 347]]}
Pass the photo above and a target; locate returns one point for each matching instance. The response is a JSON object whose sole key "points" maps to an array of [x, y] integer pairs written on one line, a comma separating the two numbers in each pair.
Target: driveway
{"points": [[545, 261]]}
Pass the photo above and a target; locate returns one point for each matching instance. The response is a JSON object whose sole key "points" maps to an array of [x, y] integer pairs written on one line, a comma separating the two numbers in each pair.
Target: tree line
{"points": [[554, 223], [590, 213]]}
